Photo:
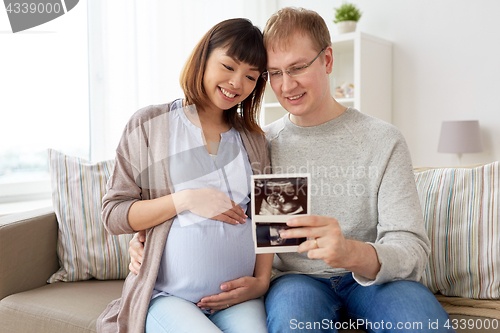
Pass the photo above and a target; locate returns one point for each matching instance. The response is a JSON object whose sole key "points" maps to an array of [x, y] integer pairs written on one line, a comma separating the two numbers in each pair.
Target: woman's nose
{"points": [[235, 81]]}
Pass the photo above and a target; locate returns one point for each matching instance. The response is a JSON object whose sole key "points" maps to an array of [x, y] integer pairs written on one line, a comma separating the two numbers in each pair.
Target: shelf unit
{"points": [[361, 59]]}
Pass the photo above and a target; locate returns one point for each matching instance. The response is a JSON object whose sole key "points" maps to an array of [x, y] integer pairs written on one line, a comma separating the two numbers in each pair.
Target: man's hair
{"points": [[283, 24], [244, 43]]}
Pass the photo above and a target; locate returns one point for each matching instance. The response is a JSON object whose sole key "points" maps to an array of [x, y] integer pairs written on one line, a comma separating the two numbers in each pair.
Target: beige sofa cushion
{"points": [[471, 307], [27, 250], [60, 307]]}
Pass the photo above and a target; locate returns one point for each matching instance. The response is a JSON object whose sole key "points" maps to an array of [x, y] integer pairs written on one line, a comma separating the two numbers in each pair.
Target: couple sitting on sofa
{"points": [[367, 245]]}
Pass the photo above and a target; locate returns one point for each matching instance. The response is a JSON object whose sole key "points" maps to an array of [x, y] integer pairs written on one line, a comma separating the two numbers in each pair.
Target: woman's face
{"points": [[228, 81]]}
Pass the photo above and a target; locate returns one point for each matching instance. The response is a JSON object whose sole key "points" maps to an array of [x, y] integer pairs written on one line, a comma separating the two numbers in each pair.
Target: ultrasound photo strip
{"points": [[276, 199]]}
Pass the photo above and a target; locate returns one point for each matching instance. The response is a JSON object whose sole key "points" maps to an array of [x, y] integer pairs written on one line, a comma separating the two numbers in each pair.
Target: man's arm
{"points": [[401, 246]]}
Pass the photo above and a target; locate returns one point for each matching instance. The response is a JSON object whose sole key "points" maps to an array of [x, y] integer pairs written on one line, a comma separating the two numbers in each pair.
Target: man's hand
{"points": [[235, 292], [327, 242], [136, 250]]}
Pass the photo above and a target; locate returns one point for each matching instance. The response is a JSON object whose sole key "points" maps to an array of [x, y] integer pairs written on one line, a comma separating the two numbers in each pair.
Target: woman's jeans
{"points": [[300, 303], [176, 315]]}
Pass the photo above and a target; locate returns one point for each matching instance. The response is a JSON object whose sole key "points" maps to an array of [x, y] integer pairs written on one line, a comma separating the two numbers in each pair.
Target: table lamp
{"points": [[460, 137]]}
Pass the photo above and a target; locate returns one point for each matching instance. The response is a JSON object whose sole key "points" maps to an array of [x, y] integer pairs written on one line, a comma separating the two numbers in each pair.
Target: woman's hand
{"points": [[235, 292], [206, 202], [214, 204], [136, 250]]}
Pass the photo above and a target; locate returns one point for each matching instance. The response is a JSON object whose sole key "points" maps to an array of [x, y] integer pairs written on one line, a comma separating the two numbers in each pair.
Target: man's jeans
{"points": [[299, 303]]}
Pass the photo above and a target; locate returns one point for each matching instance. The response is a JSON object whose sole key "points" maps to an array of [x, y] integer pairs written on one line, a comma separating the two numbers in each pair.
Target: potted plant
{"points": [[346, 17]]}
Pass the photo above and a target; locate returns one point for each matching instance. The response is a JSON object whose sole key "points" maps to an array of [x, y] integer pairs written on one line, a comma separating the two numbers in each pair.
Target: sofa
{"points": [[29, 257]]}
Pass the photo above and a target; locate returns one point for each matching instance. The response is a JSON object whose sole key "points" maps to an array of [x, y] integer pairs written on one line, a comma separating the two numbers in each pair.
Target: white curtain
{"points": [[137, 49]]}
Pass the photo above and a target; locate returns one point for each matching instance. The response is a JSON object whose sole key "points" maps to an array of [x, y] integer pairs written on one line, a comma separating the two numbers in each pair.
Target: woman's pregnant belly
{"points": [[198, 258]]}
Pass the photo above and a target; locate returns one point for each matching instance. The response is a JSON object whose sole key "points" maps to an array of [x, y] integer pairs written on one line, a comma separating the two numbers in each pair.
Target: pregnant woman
{"points": [[182, 173]]}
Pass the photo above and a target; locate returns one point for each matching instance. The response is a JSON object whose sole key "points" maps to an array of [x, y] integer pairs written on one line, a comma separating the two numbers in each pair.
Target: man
{"points": [[367, 244]]}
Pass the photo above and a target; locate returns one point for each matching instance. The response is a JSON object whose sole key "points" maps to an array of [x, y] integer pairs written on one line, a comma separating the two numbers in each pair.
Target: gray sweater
{"points": [[362, 176]]}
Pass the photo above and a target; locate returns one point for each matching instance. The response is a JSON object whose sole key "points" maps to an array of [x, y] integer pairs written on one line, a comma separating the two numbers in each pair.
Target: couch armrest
{"points": [[28, 255]]}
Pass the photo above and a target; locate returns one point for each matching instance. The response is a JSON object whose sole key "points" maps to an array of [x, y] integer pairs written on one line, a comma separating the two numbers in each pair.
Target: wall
{"points": [[446, 66]]}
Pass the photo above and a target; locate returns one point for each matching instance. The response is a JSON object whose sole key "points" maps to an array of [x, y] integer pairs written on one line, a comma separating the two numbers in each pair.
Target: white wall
{"points": [[446, 66]]}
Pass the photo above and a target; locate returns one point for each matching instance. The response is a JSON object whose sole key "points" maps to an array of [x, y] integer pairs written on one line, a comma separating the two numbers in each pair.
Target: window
{"points": [[44, 103], [72, 85]]}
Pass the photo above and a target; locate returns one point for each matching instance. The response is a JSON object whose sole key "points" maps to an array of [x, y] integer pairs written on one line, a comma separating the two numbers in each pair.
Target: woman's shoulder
{"points": [[257, 149], [151, 112], [256, 137]]}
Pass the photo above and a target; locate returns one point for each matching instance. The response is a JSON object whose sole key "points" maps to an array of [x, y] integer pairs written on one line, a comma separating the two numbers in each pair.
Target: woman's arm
{"points": [[144, 214], [206, 202], [263, 266]]}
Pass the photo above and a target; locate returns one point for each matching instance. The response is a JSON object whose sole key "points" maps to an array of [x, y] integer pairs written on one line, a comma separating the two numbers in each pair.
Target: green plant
{"points": [[347, 12]]}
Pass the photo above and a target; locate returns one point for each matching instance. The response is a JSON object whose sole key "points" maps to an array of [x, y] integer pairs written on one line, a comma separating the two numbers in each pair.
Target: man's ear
{"points": [[329, 59]]}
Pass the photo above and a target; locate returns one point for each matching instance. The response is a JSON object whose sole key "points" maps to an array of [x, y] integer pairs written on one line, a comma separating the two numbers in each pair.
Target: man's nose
{"points": [[288, 83]]}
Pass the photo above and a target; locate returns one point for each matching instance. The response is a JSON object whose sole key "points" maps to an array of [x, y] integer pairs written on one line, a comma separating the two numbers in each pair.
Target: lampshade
{"points": [[460, 137]]}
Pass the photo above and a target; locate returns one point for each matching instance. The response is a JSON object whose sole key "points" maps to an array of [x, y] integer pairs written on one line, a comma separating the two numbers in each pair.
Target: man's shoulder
{"points": [[373, 127], [273, 129]]}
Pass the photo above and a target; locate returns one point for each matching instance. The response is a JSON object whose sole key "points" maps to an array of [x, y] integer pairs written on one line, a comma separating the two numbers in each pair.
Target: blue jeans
{"points": [[300, 303], [176, 315]]}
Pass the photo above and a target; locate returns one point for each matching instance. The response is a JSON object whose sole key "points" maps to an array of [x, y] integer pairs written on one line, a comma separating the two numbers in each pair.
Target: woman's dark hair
{"points": [[244, 43]]}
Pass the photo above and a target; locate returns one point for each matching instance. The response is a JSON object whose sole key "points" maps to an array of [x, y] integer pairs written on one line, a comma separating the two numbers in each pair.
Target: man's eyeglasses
{"points": [[295, 70]]}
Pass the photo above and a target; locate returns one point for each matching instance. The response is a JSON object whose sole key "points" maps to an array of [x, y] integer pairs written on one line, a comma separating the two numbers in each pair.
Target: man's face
{"points": [[306, 95]]}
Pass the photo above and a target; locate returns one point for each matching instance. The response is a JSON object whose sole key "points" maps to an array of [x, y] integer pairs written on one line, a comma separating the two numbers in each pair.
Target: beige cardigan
{"points": [[141, 173]]}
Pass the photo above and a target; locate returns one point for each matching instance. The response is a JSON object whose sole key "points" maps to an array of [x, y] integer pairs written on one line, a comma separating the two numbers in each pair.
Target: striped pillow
{"points": [[84, 247], [461, 208]]}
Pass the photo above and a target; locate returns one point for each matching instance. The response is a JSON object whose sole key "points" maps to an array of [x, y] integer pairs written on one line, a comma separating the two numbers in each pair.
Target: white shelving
{"points": [[361, 59]]}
